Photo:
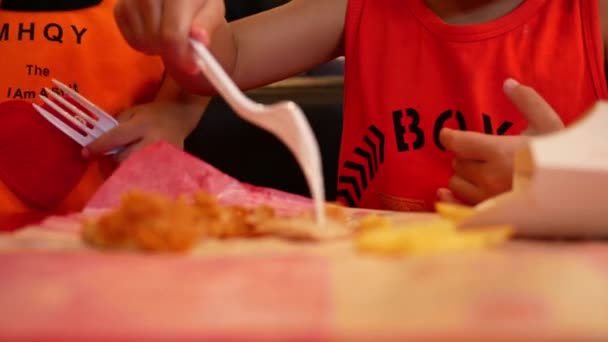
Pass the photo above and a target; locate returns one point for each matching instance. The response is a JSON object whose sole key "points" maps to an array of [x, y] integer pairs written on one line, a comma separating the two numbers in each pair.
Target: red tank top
{"points": [[408, 74]]}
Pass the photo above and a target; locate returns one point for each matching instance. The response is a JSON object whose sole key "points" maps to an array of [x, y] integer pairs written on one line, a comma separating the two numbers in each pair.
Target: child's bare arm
{"points": [[255, 50], [287, 40]]}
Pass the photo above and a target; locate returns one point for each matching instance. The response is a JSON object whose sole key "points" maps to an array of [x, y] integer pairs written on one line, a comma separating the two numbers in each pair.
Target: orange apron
{"points": [[84, 49]]}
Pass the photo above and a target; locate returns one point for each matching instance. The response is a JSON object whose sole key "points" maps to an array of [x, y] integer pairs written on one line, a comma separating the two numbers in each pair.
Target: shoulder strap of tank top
{"points": [[594, 45]]}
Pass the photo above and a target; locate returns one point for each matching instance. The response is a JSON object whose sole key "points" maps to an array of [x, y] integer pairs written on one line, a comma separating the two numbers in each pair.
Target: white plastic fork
{"points": [[92, 127], [285, 120]]}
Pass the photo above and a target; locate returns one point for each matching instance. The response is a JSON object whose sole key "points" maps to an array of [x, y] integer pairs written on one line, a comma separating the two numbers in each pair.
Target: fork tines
{"points": [[82, 120]]}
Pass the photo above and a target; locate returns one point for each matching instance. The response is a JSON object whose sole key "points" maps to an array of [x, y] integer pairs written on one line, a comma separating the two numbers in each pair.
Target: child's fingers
{"points": [[479, 147], [152, 20], [124, 134], [122, 17], [470, 170], [466, 191], [540, 115], [163, 27], [126, 152], [176, 26], [139, 23], [207, 19], [468, 145], [446, 196], [201, 35], [135, 18]]}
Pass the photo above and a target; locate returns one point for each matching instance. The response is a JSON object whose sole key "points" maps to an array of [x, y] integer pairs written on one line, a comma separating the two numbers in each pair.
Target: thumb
{"points": [[445, 195], [207, 20], [540, 115], [184, 19], [124, 134]]}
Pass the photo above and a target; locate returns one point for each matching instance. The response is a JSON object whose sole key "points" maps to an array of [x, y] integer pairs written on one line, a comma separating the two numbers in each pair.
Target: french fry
{"points": [[454, 212], [429, 237], [490, 236], [373, 222]]}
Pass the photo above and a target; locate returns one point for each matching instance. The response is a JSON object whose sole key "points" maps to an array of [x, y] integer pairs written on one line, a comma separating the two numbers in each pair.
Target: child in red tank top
{"points": [[425, 112]]}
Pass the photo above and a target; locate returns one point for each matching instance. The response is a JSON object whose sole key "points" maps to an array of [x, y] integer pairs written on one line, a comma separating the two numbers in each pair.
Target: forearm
{"points": [[193, 105], [278, 43], [287, 40]]}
